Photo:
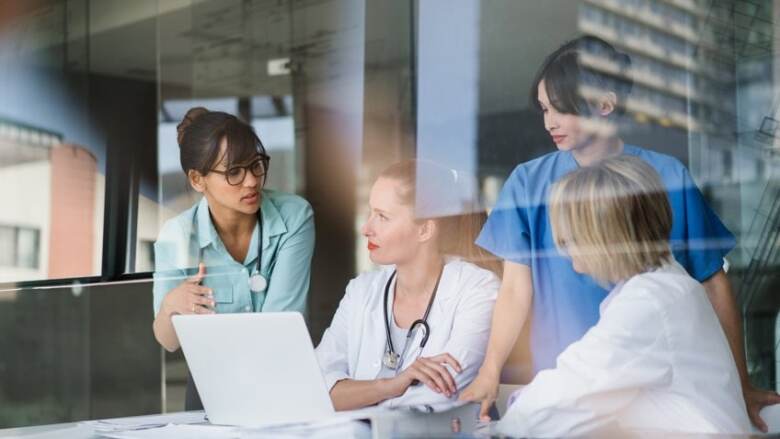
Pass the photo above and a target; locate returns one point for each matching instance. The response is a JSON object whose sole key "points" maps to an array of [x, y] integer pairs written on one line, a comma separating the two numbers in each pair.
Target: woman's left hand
{"points": [[757, 399], [431, 372]]}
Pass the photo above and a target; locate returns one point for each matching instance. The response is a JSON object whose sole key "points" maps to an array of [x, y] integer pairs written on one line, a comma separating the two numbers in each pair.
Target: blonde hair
{"points": [[614, 218], [457, 232]]}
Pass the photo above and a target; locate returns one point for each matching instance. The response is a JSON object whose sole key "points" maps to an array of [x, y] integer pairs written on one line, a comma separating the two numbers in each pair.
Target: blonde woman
{"points": [[658, 358]]}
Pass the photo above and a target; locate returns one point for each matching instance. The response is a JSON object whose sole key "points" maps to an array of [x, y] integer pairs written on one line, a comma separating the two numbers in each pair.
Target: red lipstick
{"points": [[558, 139]]}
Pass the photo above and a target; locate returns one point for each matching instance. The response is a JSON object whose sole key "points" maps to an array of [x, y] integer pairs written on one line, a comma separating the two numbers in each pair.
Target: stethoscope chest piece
{"points": [[391, 360], [257, 283]]}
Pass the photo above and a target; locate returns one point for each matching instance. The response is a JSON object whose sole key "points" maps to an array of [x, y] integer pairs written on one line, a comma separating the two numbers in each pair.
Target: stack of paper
{"points": [[336, 428], [108, 427]]}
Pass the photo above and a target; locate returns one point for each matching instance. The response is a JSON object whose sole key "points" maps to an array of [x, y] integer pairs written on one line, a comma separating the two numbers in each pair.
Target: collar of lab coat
{"points": [[448, 285], [670, 266]]}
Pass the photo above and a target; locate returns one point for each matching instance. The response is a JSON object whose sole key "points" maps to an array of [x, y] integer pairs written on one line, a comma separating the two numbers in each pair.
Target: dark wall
{"points": [[72, 356]]}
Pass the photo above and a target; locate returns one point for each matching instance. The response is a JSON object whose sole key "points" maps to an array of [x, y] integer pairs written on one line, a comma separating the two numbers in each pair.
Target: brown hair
{"points": [[614, 217], [458, 231], [199, 135]]}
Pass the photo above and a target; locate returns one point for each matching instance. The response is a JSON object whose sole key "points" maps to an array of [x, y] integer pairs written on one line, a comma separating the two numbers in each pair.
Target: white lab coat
{"points": [[657, 359], [353, 346]]}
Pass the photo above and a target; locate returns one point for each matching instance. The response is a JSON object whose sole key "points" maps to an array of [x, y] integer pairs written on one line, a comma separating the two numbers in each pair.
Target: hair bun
{"points": [[192, 114]]}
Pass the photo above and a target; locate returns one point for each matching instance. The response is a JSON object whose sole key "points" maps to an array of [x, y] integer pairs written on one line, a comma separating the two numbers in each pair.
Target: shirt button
{"points": [[247, 308]]}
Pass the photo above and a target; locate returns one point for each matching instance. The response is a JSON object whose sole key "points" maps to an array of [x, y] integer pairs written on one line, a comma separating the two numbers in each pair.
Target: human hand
{"points": [[190, 297], [755, 400], [431, 372], [484, 389]]}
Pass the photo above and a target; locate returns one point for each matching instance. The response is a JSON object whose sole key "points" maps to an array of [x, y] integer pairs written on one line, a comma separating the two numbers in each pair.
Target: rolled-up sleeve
{"points": [[700, 241], [167, 273], [288, 286], [333, 350], [507, 233]]}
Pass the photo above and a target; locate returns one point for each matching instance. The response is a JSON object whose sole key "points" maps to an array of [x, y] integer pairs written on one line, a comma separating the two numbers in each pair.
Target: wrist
{"points": [[166, 310], [393, 387], [490, 371]]}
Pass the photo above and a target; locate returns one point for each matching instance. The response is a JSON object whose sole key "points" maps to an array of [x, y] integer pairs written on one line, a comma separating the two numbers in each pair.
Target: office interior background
{"points": [[92, 91]]}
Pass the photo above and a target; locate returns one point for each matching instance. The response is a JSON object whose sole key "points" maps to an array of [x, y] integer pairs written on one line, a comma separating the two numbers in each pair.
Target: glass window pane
{"points": [[27, 244], [337, 90], [7, 247], [52, 152]]}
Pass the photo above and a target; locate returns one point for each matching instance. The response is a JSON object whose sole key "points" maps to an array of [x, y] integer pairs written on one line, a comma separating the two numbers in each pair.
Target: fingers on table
{"points": [[484, 410]]}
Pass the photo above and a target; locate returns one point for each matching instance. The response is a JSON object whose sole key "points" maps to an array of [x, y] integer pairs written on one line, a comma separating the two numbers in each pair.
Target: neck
{"points": [[232, 224], [418, 276], [598, 150]]}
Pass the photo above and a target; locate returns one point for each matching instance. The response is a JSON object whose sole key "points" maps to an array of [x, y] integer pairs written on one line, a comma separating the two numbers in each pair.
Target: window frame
{"points": [[119, 227]]}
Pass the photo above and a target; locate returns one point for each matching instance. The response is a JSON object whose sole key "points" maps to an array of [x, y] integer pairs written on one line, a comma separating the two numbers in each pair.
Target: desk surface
{"points": [[82, 430], [393, 423]]}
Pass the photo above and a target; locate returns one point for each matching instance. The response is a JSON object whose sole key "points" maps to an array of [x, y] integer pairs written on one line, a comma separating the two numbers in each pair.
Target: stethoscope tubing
{"points": [[257, 282], [423, 322]]}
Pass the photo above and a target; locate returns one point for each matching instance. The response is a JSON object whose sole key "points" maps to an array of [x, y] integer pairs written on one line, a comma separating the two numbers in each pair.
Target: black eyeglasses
{"points": [[235, 175]]}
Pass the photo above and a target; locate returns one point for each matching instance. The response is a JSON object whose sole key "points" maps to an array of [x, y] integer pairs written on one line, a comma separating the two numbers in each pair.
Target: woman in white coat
{"points": [[412, 333], [658, 358]]}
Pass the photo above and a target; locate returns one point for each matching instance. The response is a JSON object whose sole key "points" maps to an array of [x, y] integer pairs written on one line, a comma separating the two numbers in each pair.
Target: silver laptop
{"points": [[254, 369]]}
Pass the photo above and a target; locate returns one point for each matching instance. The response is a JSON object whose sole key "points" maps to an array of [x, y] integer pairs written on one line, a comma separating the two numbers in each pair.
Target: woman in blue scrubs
{"points": [[252, 246], [579, 108]]}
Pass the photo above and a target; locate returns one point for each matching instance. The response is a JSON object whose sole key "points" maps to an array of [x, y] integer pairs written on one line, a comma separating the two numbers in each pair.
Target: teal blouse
{"points": [[288, 244]]}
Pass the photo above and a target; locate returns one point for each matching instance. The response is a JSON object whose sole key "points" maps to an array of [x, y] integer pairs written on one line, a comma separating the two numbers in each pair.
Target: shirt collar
{"points": [[273, 223], [628, 149], [206, 231]]}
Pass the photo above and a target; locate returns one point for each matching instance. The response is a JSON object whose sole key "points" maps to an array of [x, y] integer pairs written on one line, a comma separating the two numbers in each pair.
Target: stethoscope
{"points": [[257, 282], [391, 359]]}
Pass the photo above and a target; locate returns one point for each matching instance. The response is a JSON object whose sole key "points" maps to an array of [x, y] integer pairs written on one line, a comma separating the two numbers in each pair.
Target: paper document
{"points": [[336, 428], [175, 431], [144, 422]]}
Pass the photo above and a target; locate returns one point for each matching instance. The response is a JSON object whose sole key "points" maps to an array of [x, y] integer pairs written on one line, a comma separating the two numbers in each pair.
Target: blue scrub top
{"points": [[288, 245], [566, 303]]}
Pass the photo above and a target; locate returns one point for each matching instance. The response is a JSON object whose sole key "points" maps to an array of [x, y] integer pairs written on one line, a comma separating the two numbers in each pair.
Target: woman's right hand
{"points": [[190, 297], [431, 372], [484, 389]]}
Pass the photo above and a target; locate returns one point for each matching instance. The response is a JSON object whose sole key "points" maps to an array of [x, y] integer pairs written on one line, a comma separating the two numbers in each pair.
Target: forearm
{"points": [[164, 332], [720, 294], [354, 394], [508, 319]]}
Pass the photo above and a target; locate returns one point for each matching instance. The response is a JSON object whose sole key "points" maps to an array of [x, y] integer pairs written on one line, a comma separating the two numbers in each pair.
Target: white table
{"points": [[393, 423]]}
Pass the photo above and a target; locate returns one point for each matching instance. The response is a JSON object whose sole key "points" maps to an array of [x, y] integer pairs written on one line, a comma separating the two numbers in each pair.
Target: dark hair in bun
{"points": [[190, 117], [565, 76], [200, 133]]}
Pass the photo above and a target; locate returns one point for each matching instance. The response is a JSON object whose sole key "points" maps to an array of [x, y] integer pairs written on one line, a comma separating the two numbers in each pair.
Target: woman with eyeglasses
{"points": [[241, 248], [413, 332]]}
